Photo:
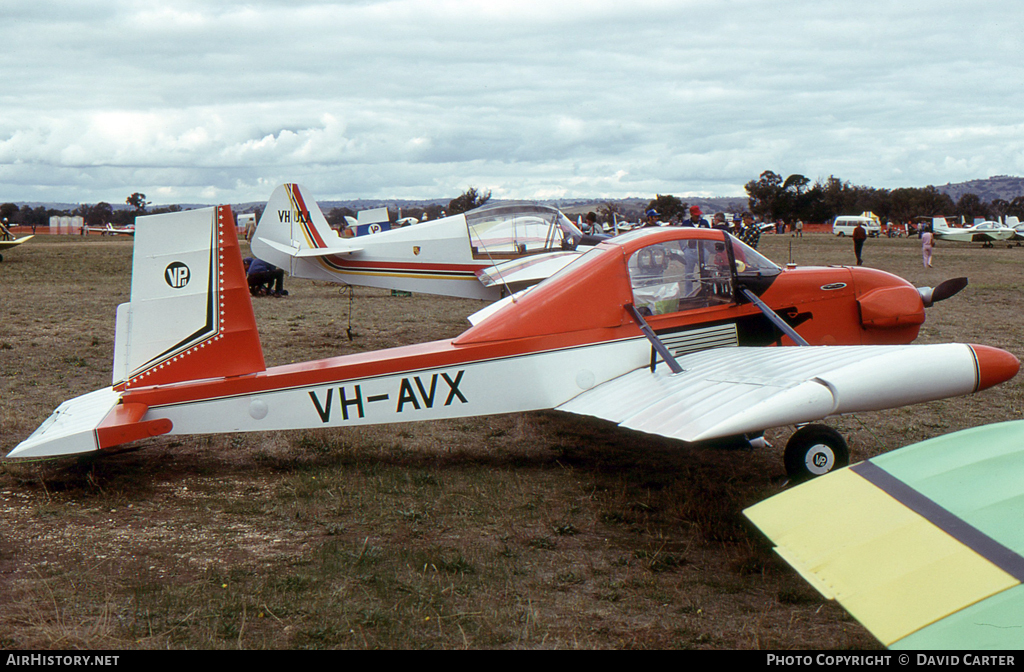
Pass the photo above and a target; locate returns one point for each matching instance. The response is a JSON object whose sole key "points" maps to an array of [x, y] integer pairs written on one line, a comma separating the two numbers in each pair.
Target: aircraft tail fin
{"points": [[190, 316], [292, 230]]}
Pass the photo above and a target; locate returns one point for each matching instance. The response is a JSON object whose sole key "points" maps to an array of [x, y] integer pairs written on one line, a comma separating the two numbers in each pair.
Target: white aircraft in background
{"points": [[111, 230], [1018, 228], [486, 253], [983, 232]]}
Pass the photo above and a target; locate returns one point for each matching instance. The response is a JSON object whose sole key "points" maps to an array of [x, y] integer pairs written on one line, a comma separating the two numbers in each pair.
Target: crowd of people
{"points": [[742, 226]]}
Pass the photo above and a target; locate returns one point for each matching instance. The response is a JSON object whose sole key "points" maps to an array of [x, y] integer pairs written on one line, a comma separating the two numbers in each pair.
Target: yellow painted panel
{"points": [[890, 568]]}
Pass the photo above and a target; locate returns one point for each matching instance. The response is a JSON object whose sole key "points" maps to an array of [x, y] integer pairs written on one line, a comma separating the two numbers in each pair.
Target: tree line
{"points": [[98, 214], [469, 199], [770, 197], [793, 198]]}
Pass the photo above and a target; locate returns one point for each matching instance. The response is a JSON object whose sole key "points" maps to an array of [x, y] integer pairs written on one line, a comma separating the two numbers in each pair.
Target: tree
{"points": [[609, 211], [96, 215], [794, 201], [970, 206], [1016, 207], [764, 194], [336, 217], [467, 201], [8, 212], [138, 202], [668, 206], [1000, 207], [27, 216]]}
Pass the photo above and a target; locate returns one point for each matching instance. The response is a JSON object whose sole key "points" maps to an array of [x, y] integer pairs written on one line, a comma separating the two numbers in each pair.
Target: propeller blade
{"points": [[948, 288], [942, 291]]}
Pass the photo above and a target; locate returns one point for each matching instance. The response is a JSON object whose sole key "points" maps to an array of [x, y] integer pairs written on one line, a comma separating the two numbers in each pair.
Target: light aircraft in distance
{"points": [[8, 241], [1018, 228], [483, 254], [661, 330], [983, 232], [369, 221], [110, 230], [922, 545]]}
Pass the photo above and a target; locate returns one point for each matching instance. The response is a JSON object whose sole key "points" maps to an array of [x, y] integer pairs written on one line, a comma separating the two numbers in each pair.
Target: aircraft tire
{"points": [[815, 450]]}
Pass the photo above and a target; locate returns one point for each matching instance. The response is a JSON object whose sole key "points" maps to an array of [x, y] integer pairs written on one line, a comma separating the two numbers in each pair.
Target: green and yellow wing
{"points": [[924, 545]]}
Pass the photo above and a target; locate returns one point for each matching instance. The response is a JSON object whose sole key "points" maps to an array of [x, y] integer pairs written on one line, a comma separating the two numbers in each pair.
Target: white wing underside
{"points": [[731, 391], [526, 270]]}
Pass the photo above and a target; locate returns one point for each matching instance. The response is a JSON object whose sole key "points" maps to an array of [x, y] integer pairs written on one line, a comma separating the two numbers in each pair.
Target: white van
{"points": [[845, 224]]}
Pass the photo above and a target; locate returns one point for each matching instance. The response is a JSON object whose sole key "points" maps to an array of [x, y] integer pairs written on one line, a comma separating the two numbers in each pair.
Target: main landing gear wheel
{"points": [[815, 450]]}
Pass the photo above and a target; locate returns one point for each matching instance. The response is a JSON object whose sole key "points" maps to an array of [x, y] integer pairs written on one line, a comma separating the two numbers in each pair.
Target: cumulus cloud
{"points": [[423, 98]]}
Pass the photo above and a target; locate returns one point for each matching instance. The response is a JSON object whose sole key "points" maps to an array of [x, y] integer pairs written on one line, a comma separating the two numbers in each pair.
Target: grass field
{"points": [[534, 530]]}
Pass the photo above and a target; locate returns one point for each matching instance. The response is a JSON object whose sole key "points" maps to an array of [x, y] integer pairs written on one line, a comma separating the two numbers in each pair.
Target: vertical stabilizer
{"points": [[190, 315], [293, 228]]}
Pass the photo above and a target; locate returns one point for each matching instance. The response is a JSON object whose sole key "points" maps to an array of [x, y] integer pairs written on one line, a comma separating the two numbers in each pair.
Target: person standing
{"points": [[860, 234], [927, 245], [751, 233], [696, 219]]}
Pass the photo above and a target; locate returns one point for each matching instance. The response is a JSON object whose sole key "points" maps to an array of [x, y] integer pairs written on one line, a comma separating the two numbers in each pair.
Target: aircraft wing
{"points": [[922, 545], [526, 270], [7, 244], [729, 391]]}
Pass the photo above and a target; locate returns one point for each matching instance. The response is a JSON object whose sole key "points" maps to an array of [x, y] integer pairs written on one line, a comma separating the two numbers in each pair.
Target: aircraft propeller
{"points": [[942, 291]]}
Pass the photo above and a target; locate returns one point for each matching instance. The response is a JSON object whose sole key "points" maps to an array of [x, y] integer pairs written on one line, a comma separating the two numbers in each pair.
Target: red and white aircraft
{"points": [[482, 254], [660, 330]]}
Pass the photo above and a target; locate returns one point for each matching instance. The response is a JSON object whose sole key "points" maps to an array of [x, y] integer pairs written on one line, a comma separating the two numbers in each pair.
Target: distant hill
{"points": [[1005, 187]]}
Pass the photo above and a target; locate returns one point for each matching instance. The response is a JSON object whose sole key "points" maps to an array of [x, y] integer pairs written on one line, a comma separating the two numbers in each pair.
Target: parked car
{"points": [[845, 224]]}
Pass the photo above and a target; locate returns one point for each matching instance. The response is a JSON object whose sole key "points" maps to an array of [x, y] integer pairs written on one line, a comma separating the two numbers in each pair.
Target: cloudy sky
{"points": [[202, 101]]}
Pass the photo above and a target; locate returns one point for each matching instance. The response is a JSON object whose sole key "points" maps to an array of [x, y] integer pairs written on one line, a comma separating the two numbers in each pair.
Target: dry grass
{"points": [[537, 530]]}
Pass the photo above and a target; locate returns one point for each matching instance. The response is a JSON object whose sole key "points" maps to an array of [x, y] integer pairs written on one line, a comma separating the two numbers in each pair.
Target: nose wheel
{"points": [[815, 450]]}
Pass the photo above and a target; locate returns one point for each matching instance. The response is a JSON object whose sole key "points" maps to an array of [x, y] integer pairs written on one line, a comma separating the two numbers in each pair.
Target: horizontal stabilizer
{"points": [[306, 252], [90, 422]]}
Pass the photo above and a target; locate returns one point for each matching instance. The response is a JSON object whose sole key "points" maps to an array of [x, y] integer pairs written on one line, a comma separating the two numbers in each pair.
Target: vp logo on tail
{"points": [[176, 275]]}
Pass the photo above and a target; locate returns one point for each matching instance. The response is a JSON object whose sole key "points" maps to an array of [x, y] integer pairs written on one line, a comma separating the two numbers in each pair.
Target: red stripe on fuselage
{"points": [[305, 217], [405, 359], [406, 266]]}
